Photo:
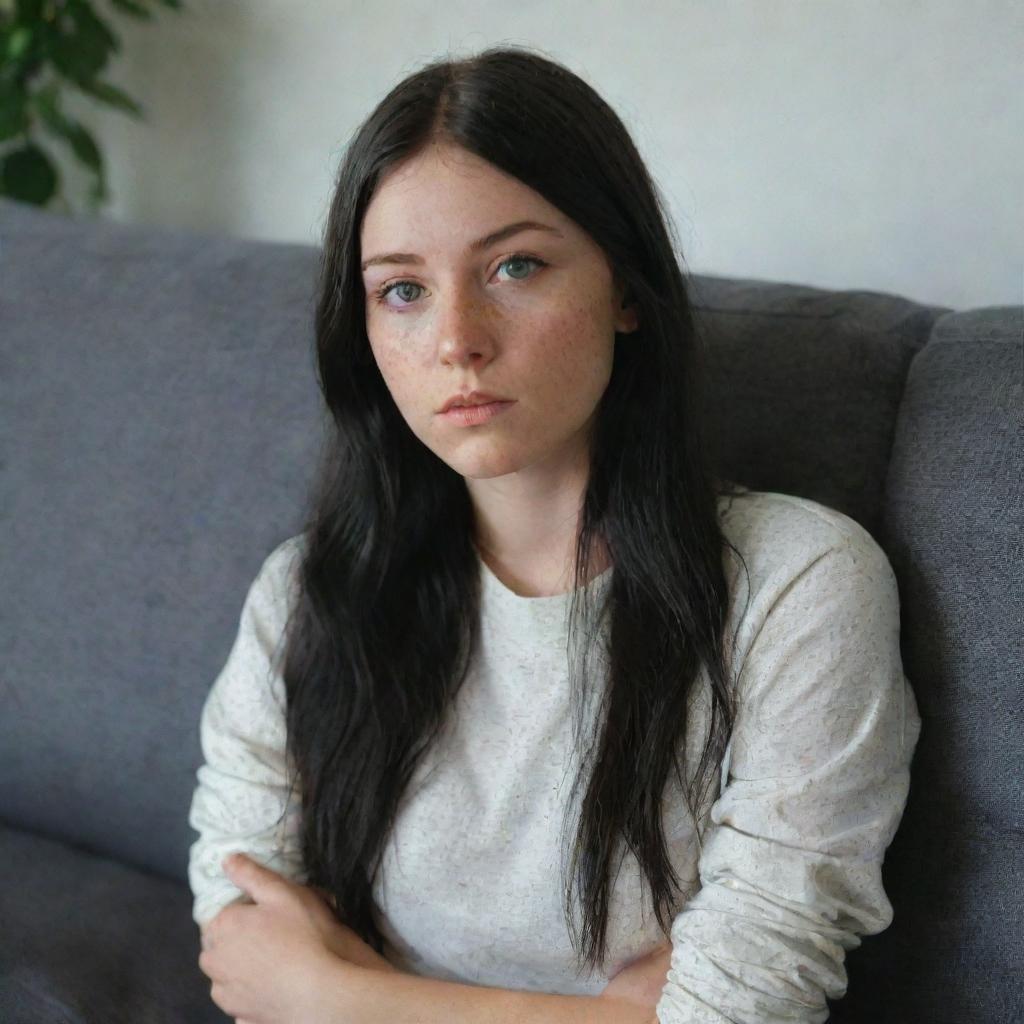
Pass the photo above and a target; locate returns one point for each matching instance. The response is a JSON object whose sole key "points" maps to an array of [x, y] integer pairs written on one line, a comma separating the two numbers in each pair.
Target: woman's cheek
{"points": [[396, 361]]}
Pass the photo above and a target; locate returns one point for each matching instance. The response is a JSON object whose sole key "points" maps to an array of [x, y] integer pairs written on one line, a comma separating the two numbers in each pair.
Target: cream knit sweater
{"points": [[788, 874]]}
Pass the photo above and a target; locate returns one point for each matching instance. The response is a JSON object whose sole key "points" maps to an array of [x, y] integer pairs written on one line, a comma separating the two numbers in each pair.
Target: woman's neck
{"points": [[542, 576]]}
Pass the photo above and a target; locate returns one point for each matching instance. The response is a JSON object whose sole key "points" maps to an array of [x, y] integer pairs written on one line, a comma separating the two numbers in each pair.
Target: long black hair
{"points": [[385, 622]]}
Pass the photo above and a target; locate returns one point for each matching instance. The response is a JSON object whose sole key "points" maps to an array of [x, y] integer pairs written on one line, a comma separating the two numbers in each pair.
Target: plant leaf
{"points": [[136, 10], [29, 10], [18, 42], [111, 95], [89, 21], [80, 54], [14, 117], [98, 191], [28, 174], [82, 143]]}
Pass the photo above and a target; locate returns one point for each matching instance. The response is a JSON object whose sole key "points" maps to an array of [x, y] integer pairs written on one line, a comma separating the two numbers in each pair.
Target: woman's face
{"points": [[529, 316]]}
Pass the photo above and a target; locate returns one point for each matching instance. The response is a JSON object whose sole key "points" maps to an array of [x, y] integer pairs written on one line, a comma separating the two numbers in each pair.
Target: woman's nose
{"points": [[464, 328]]}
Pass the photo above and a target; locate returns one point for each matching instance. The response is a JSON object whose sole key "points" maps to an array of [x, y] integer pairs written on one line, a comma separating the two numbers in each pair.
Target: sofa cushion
{"points": [[954, 529], [804, 385], [161, 420], [86, 939]]}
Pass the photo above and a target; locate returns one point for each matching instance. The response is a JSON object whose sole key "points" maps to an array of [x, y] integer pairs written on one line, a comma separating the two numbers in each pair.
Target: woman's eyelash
{"points": [[381, 293]]}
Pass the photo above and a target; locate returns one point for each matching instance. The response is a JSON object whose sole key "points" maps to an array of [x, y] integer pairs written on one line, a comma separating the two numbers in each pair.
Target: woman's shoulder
{"points": [[284, 558], [780, 536], [789, 520], [274, 586]]}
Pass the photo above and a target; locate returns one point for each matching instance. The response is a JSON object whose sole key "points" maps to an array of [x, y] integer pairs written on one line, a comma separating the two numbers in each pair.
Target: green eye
{"points": [[518, 261]]}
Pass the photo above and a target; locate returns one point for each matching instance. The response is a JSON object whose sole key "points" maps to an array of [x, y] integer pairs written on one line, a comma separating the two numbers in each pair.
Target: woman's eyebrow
{"points": [[481, 243]]}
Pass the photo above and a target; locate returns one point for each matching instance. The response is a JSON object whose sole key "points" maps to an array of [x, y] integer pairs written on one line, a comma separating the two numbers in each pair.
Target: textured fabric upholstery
{"points": [[954, 531], [160, 421]]}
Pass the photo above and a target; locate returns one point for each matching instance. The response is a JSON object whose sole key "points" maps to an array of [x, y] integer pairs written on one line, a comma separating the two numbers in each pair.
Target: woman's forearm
{"points": [[366, 996]]}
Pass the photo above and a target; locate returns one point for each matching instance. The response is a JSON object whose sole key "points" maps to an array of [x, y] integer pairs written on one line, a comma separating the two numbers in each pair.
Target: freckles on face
{"points": [[467, 319], [571, 355], [401, 367], [554, 357]]}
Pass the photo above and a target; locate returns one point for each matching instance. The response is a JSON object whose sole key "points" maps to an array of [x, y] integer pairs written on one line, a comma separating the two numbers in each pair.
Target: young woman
{"points": [[583, 732]]}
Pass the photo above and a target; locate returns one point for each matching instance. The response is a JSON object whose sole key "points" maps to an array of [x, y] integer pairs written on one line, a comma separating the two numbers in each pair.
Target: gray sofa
{"points": [[160, 421]]}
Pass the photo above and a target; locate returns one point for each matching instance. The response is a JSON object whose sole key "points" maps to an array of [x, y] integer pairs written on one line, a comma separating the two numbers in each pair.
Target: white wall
{"points": [[839, 143]]}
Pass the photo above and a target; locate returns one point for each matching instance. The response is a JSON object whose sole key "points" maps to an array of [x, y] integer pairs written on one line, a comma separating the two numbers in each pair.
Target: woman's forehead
{"points": [[458, 189]]}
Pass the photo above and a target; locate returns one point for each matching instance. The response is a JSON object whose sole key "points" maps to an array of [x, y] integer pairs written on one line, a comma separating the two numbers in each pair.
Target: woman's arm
{"points": [[366, 995], [350, 946], [373, 997], [344, 943], [641, 981], [241, 799], [817, 779]]}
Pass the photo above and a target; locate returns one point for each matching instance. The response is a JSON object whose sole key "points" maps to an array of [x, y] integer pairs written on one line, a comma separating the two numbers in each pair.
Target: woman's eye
{"points": [[381, 294], [520, 261], [400, 287], [518, 265]]}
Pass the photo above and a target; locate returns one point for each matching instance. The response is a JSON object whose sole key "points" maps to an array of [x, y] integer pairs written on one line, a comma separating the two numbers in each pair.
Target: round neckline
{"points": [[538, 602], [556, 602]]}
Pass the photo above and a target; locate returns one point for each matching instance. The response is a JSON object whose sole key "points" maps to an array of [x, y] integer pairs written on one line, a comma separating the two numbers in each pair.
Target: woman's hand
{"points": [[641, 981], [277, 961], [345, 943]]}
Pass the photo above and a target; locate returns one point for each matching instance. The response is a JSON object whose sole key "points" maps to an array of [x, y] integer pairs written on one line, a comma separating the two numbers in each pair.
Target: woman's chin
{"points": [[485, 466]]}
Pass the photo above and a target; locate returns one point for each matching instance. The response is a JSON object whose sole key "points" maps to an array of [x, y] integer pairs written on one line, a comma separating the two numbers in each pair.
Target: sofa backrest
{"points": [[953, 528], [804, 386], [161, 424]]}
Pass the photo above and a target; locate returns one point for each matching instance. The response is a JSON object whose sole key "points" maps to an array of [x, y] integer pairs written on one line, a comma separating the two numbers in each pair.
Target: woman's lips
{"points": [[474, 415]]}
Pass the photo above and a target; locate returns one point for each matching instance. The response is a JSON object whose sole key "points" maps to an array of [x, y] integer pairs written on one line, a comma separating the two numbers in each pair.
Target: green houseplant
{"points": [[45, 47]]}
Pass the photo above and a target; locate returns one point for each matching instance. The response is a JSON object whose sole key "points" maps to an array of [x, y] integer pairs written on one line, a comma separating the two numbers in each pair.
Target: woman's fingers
{"points": [[641, 981], [325, 895]]}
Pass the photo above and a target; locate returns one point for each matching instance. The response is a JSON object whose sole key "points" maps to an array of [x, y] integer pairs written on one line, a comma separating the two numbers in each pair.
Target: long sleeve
{"points": [[240, 801], [813, 788]]}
